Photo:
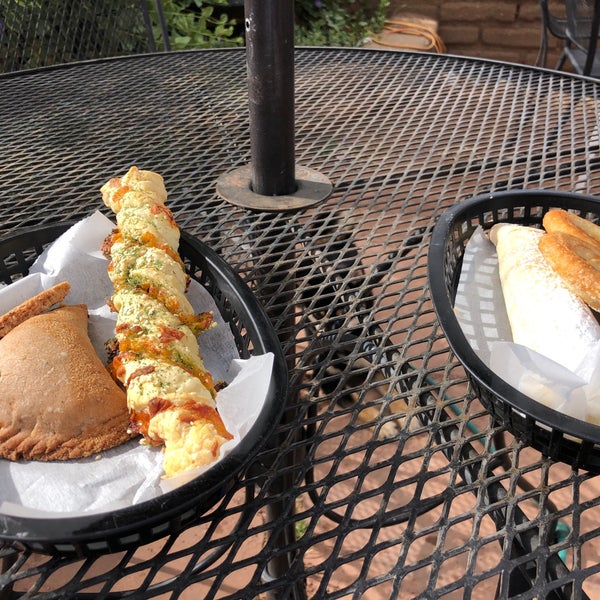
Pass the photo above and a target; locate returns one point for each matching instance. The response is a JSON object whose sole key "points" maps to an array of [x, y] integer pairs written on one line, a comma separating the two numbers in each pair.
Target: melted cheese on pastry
{"points": [[191, 444], [170, 394], [135, 188], [149, 378], [146, 327], [131, 261], [152, 223], [150, 268]]}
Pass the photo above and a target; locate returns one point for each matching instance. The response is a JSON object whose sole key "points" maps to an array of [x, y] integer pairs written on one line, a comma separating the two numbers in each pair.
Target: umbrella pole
{"points": [[272, 181], [269, 26]]}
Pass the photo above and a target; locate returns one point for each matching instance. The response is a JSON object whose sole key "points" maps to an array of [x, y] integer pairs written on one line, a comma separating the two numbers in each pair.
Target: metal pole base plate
{"points": [[235, 187]]}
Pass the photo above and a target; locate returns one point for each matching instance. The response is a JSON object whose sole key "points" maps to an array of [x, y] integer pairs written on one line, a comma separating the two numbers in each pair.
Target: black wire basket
{"points": [[180, 508], [555, 435]]}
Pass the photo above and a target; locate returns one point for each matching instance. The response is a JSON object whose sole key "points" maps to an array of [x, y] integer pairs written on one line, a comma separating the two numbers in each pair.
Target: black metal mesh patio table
{"points": [[387, 478]]}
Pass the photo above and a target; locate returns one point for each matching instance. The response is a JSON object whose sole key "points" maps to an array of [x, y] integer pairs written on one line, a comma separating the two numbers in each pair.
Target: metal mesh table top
{"points": [[400, 484]]}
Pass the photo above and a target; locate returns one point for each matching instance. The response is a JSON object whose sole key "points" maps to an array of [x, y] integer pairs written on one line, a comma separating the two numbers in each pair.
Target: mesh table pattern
{"points": [[386, 477]]}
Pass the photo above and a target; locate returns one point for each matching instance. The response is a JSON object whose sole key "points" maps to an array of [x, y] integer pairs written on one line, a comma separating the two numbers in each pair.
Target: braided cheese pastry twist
{"points": [[170, 394]]}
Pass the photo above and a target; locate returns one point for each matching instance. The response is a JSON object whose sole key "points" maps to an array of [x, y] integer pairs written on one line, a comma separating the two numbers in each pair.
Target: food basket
{"points": [[141, 523], [555, 435]]}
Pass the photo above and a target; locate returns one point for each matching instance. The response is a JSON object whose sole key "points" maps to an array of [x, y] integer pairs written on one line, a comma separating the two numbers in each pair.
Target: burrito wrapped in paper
{"points": [[543, 314]]}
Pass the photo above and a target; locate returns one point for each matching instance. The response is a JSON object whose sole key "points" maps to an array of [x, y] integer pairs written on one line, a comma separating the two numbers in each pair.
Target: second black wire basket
{"points": [[555, 435]]}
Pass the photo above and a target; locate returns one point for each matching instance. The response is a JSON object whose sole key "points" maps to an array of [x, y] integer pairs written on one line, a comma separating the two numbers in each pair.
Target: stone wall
{"points": [[508, 30]]}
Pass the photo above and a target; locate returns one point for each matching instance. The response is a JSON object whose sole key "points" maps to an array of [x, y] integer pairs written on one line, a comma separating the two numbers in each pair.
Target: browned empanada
{"points": [[34, 306], [57, 399]]}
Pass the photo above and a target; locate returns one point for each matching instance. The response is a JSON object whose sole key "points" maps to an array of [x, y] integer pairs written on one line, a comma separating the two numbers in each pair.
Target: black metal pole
{"points": [[269, 26], [272, 181]]}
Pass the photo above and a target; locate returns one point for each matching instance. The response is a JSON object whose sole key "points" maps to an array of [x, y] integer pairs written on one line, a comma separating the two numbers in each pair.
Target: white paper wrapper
{"points": [[480, 310], [131, 473]]}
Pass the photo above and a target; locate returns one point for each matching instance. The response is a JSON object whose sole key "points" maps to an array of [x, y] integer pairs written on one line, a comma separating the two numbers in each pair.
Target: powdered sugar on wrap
{"points": [[566, 376]]}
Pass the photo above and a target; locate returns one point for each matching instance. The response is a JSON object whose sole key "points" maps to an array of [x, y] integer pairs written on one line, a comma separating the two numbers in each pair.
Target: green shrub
{"points": [[197, 24], [338, 22], [207, 23], [36, 33]]}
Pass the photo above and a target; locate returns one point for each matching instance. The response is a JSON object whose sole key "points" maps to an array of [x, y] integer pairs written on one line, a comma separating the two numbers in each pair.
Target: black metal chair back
{"points": [[554, 25], [583, 18], [578, 29], [38, 33]]}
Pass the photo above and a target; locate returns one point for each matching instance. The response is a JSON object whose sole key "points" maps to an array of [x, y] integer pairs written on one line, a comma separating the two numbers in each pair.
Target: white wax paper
{"points": [[480, 310], [131, 473]]}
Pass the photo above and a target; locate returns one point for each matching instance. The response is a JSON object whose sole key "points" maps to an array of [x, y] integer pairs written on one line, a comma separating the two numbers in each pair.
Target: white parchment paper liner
{"points": [[480, 310], [131, 473]]}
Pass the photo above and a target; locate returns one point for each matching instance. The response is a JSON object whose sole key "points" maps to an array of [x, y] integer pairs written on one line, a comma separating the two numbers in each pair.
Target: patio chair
{"points": [[578, 31], [552, 25], [38, 33]]}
